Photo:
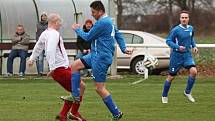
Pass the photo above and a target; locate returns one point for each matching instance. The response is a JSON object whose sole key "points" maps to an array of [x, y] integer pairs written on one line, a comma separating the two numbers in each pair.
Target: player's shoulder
{"points": [[105, 20], [190, 26], [175, 28], [52, 32]]}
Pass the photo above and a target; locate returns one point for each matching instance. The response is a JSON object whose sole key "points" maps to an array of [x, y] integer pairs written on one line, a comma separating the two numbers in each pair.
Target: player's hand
{"points": [[195, 50], [50, 73], [85, 51], [129, 51], [182, 48], [30, 63], [75, 26]]}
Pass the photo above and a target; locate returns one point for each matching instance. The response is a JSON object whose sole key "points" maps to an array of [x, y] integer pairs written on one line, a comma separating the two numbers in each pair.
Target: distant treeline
{"points": [[162, 15]]}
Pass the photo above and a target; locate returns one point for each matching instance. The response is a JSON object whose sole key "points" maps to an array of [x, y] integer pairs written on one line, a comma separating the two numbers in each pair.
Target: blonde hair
{"points": [[53, 18]]}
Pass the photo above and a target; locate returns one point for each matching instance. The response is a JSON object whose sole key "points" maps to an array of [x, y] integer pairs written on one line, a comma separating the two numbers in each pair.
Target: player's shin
{"points": [[75, 81], [166, 88], [75, 106], [65, 109], [111, 105], [190, 83]]}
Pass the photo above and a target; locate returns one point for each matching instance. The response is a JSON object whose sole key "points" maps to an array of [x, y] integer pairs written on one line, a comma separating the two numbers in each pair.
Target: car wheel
{"points": [[138, 66]]}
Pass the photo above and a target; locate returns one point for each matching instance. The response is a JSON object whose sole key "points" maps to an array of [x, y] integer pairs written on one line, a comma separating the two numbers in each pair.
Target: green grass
{"points": [[37, 100]]}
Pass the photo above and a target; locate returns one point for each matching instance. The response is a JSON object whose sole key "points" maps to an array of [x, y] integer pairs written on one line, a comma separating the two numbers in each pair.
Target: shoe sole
{"points": [[66, 98], [74, 118]]}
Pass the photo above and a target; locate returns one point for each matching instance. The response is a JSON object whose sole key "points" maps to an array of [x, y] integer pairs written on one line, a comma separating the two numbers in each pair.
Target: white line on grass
{"points": [[138, 81]]}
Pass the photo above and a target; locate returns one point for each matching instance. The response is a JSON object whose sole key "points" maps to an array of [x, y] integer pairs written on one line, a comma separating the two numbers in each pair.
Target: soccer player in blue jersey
{"points": [[102, 35], [181, 41]]}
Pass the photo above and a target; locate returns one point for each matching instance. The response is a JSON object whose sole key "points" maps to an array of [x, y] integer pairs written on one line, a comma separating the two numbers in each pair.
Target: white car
{"points": [[143, 56]]}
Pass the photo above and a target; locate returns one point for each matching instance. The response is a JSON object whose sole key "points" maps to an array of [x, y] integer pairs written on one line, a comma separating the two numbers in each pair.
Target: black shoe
{"points": [[117, 117]]}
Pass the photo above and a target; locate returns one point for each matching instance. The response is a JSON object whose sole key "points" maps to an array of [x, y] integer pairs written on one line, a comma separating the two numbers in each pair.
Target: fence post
{"points": [[113, 67]]}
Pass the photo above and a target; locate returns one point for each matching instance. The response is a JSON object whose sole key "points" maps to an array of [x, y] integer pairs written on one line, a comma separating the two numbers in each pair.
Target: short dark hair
{"points": [[97, 5], [185, 11]]}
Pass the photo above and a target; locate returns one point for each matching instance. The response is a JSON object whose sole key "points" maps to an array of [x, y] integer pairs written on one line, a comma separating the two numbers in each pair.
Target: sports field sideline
{"points": [[36, 99]]}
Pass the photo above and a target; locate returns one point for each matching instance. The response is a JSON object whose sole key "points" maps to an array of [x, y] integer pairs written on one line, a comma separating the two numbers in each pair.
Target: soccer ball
{"points": [[150, 61]]}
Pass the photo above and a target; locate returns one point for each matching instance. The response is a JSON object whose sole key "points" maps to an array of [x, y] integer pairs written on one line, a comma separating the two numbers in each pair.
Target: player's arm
{"points": [[170, 41], [38, 48], [193, 44], [96, 30], [120, 41]]}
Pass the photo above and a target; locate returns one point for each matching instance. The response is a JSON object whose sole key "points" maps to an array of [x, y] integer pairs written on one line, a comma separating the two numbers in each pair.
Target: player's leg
{"points": [[74, 114], [107, 99], [79, 64], [190, 65], [190, 83], [62, 116], [99, 71], [174, 66], [166, 88], [191, 79], [63, 77]]}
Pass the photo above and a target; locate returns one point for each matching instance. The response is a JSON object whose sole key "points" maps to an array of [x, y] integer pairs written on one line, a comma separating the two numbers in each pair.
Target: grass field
{"points": [[34, 99]]}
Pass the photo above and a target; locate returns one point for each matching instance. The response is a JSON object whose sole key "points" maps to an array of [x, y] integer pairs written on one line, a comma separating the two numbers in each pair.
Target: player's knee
{"points": [[193, 72], [99, 90], [170, 78], [77, 65]]}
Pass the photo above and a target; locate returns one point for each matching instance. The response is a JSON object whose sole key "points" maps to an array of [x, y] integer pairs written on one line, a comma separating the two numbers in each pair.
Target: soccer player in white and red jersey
{"points": [[51, 41]]}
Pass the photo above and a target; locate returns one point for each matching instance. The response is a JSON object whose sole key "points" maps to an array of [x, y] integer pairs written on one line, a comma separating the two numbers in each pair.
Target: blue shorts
{"points": [[178, 60], [99, 67]]}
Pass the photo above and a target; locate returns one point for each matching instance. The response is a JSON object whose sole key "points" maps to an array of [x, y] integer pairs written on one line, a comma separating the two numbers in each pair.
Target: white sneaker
{"points": [[164, 99], [189, 97], [8, 75]]}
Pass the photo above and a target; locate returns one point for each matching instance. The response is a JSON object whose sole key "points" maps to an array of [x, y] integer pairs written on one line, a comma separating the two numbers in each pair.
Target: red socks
{"points": [[66, 107], [75, 106]]}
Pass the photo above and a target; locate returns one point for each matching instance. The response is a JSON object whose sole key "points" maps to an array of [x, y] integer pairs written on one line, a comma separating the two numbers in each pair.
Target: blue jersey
{"points": [[181, 36], [103, 35]]}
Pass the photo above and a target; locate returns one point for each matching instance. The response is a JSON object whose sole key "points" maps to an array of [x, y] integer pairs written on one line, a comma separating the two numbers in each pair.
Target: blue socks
{"points": [[75, 84], [190, 83], [111, 106], [166, 87]]}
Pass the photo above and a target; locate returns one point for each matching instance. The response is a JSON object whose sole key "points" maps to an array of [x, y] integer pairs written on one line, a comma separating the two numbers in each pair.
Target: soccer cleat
{"points": [[189, 97], [117, 117], [61, 118], [164, 99], [76, 99], [67, 98], [76, 116]]}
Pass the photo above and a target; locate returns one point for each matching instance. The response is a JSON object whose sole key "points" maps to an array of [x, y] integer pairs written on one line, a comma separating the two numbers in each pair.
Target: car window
{"points": [[137, 40], [128, 37]]}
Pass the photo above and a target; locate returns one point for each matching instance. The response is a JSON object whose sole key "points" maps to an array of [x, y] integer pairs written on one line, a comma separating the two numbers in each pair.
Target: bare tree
{"points": [[128, 7], [119, 10]]}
